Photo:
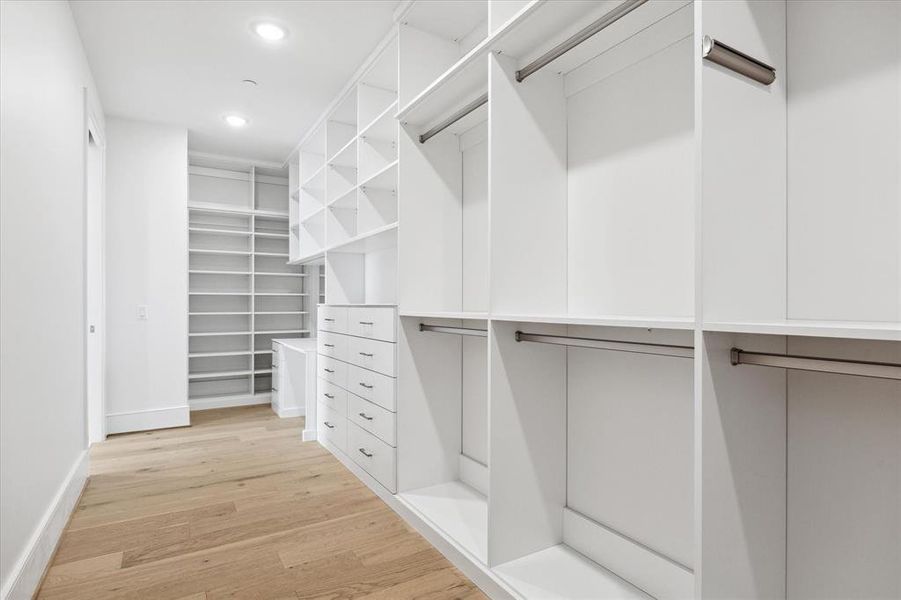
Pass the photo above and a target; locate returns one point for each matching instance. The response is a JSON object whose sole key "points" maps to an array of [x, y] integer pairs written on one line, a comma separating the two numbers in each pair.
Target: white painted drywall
{"points": [[146, 224], [43, 76]]}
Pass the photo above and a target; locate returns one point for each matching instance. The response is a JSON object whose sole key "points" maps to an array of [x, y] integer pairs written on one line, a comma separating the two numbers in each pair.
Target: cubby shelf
{"points": [[381, 127], [218, 374], [282, 236], [377, 239], [222, 353], [221, 252], [204, 272], [218, 333], [383, 179], [220, 231]]}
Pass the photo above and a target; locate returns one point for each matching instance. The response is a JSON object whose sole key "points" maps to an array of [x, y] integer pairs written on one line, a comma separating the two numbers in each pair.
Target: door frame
{"points": [[95, 407]]}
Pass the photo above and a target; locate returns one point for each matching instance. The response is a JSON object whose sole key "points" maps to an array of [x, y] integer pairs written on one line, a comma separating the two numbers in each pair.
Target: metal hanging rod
{"points": [[735, 60], [562, 48], [615, 345], [861, 368], [454, 330], [483, 99]]}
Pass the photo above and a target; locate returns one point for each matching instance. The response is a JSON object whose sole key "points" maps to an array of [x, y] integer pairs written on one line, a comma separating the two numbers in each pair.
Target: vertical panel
{"points": [[527, 139], [844, 160], [844, 476], [527, 443], [742, 479], [475, 395], [743, 170], [475, 224]]}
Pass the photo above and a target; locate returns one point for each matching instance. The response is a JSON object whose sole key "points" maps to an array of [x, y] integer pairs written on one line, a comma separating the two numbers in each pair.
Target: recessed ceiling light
{"points": [[235, 120], [270, 31]]}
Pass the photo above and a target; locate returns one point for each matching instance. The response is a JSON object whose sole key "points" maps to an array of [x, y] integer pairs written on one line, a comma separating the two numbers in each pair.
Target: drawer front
{"points": [[373, 418], [332, 427], [332, 344], [372, 386], [334, 397], [333, 318], [371, 453], [375, 323], [332, 370], [372, 354]]}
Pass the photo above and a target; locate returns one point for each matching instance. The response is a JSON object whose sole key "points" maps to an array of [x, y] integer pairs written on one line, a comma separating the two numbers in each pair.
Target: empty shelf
{"points": [[223, 252], [219, 374], [561, 572], [212, 333], [217, 231], [457, 511], [224, 353]]}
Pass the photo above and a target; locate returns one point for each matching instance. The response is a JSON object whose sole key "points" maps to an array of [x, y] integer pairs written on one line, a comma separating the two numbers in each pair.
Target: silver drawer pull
{"points": [[328, 370], [365, 416], [366, 323], [364, 453], [329, 396], [329, 320], [329, 345], [367, 354], [327, 424], [366, 385]]}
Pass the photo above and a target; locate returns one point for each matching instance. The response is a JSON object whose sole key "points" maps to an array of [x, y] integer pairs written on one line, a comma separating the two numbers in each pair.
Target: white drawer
{"points": [[332, 396], [373, 386], [332, 370], [332, 427], [377, 323], [371, 453], [332, 344], [372, 354], [373, 418], [333, 318]]}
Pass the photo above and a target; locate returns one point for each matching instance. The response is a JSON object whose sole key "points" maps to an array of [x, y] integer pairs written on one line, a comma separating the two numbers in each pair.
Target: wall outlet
{"points": [[143, 312]]}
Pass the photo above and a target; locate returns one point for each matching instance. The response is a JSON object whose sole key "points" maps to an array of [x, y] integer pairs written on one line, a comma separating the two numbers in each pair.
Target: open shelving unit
{"points": [[242, 291], [682, 271]]}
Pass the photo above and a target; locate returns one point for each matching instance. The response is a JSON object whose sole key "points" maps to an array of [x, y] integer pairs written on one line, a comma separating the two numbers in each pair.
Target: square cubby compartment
{"points": [[229, 242]]}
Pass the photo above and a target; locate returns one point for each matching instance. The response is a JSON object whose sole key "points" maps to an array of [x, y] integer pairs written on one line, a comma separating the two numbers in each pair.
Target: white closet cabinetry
{"points": [[242, 291], [649, 298]]}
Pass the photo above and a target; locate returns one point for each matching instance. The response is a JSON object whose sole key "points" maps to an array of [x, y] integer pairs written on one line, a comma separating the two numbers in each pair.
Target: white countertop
{"points": [[300, 344]]}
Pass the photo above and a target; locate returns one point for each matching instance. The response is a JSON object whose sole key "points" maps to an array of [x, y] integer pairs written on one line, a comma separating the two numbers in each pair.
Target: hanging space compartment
{"points": [[592, 166], [592, 461], [443, 267], [801, 470], [442, 428]]}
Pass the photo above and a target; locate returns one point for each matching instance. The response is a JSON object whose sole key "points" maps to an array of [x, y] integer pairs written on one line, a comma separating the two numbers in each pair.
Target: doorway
{"points": [[95, 318]]}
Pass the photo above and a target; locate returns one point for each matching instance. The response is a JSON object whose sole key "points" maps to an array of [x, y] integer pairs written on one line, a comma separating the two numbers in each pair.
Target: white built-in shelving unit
{"points": [[242, 291], [593, 264]]}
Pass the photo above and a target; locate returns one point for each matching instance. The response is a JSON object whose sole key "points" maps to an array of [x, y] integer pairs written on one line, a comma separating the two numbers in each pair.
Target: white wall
{"points": [[147, 264], [43, 458]]}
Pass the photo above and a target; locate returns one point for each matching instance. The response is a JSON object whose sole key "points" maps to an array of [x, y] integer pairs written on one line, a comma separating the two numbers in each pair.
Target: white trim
{"points": [[309, 435], [228, 401], [28, 570], [650, 571], [291, 411], [142, 420], [474, 474]]}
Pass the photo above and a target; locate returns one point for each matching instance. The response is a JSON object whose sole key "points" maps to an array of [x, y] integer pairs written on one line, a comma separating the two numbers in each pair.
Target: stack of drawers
{"points": [[355, 388]]}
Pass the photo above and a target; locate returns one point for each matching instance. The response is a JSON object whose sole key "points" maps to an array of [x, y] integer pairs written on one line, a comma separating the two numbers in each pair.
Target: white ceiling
{"points": [[183, 62]]}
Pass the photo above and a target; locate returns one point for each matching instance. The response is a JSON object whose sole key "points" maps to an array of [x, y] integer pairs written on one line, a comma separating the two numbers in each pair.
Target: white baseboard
{"points": [[309, 435], [142, 420], [228, 401], [28, 570], [474, 474], [644, 568], [290, 411]]}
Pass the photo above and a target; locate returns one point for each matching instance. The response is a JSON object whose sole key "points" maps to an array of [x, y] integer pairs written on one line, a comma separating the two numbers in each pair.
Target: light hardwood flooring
{"points": [[236, 506]]}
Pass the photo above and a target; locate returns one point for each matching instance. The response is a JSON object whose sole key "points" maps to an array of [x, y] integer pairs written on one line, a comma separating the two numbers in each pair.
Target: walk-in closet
{"points": [[647, 287]]}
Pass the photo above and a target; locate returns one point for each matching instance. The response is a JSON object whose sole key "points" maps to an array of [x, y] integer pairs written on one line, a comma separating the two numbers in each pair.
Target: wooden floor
{"points": [[236, 506]]}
